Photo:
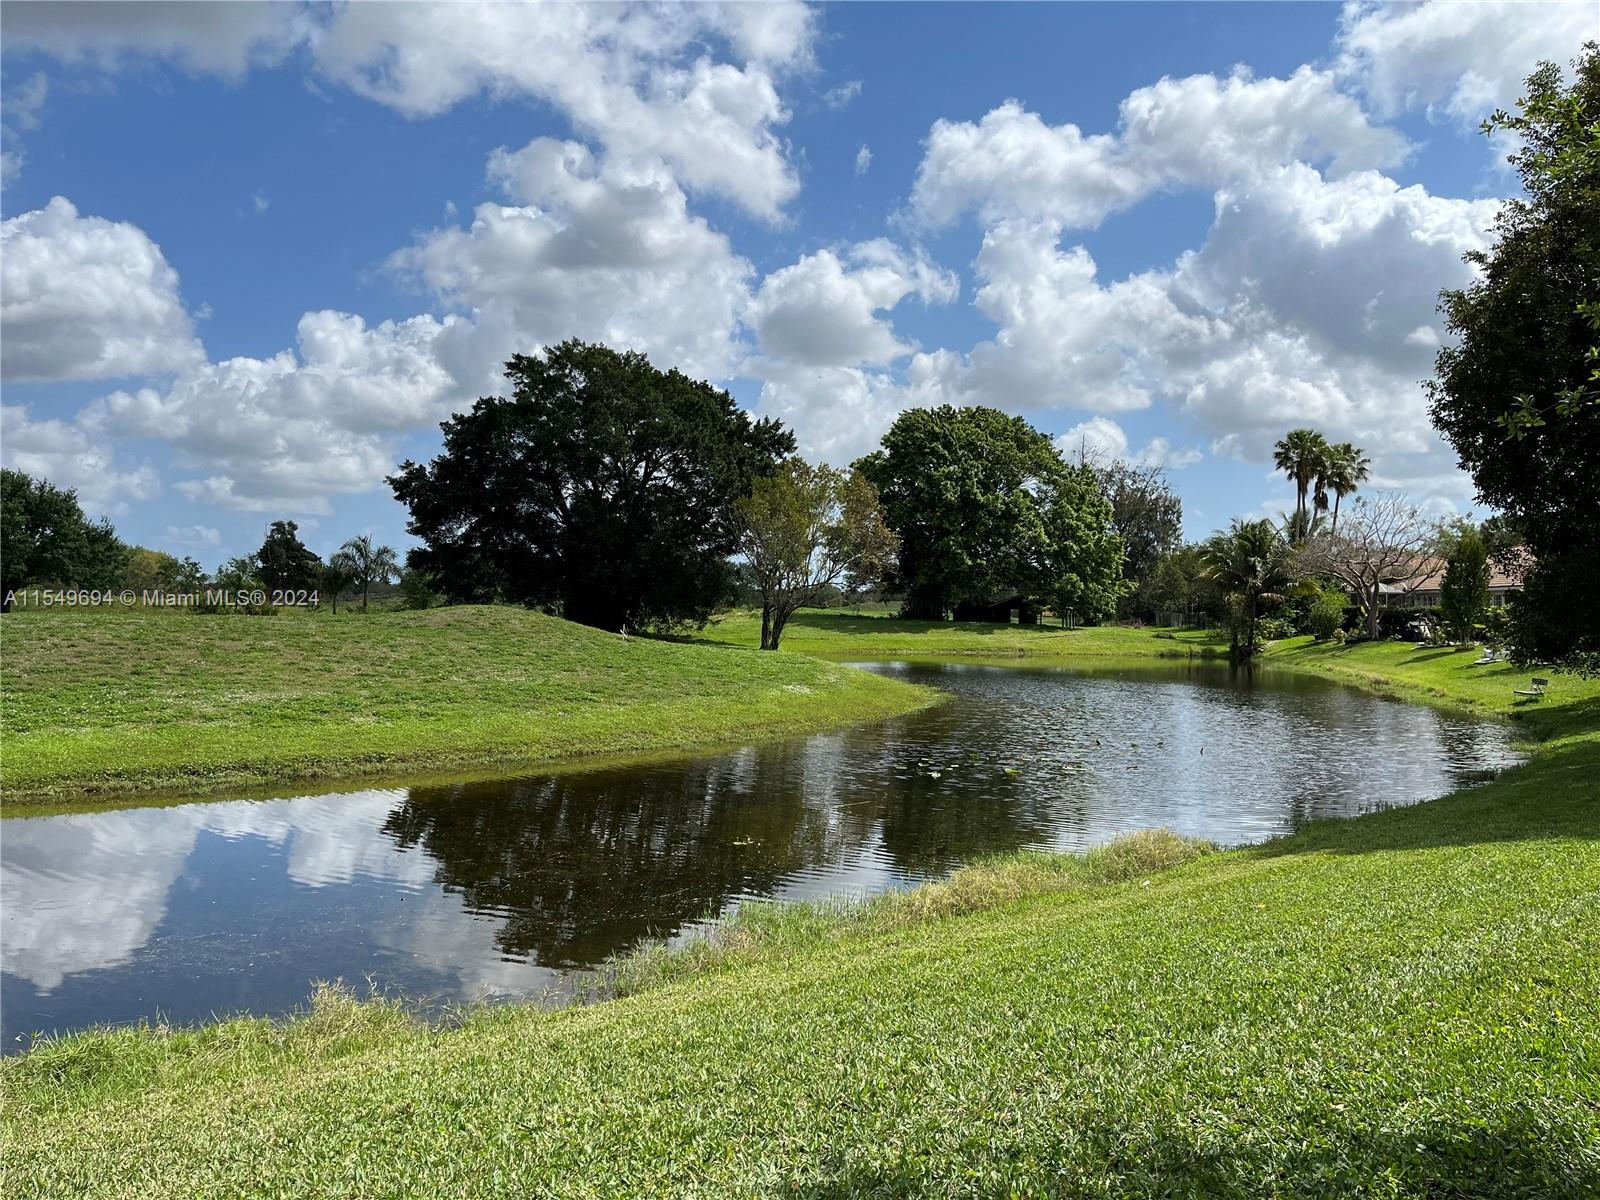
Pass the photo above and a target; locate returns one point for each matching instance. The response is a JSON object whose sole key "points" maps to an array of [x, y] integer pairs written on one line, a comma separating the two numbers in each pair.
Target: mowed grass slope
{"points": [[842, 634], [1441, 675], [114, 701], [1445, 675], [1407, 1004], [1401, 1005]]}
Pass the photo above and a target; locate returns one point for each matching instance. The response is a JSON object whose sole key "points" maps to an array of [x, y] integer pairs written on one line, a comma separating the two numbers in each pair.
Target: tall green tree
{"points": [[1302, 455], [338, 577], [1464, 591], [602, 486], [1516, 392], [239, 574], [285, 562], [1182, 584], [804, 530], [1148, 516], [46, 539], [1083, 567], [960, 488], [150, 569], [368, 564], [1346, 469], [1251, 563]]}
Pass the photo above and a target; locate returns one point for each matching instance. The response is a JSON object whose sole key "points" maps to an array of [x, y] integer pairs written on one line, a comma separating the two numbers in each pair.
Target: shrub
{"points": [[1495, 628], [416, 590], [1402, 624], [1325, 617], [1272, 629]]}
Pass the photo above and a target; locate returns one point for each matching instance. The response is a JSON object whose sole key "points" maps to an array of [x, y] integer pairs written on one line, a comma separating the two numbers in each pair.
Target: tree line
{"points": [[617, 494], [46, 540]]}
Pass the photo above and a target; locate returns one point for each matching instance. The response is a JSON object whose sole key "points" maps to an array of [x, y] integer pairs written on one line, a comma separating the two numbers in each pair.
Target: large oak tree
{"points": [[985, 507], [45, 539], [601, 487], [1518, 395]]}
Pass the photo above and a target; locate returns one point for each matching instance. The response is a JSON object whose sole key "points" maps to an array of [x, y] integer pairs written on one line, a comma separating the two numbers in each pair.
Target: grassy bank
{"points": [[1434, 675], [1446, 676], [1406, 1004], [116, 701], [844, 635]]}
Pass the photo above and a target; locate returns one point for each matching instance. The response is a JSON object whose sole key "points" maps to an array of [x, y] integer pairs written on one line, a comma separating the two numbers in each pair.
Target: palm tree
{"points": [[1303, 456], [1300, 527], [1347, 471], [369, 564], [338, 573], [1251, 561]]}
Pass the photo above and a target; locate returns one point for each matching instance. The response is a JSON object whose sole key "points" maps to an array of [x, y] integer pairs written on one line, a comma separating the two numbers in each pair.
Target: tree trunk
{"points": [[1372, 613], [924, 605], [363, 595], [1250, 635], [596, 611], [779, 620], [767, 641], [1336, 498]]}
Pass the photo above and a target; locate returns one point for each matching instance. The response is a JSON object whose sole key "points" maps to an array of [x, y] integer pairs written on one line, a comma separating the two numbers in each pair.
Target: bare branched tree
{"points": [[1382, 540]]}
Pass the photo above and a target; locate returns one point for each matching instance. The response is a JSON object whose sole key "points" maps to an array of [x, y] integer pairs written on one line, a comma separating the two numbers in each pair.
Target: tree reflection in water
{"points": [[581, 865]]}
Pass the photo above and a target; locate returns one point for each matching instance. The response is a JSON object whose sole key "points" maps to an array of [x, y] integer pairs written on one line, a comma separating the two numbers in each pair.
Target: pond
{"points": [[509, 887]]}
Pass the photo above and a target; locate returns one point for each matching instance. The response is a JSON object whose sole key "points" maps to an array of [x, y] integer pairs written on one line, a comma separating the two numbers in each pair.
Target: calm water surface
{"points": [[508, 887]]}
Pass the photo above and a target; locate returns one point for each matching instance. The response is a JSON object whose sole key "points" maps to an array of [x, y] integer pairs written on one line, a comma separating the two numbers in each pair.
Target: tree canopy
{"points": [[984, 506], [1302, 455], [285, 561], [1249, 563], [1464, 590], [1148, 516], [1384, 541], [1084, 562], [46, 539], [803, 531], [367, 564], [1516, 392], [601, 486]]}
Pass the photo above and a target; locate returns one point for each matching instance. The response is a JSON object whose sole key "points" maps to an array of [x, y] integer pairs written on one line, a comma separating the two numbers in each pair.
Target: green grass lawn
{"points": [[1406, 1004], [1445, 675], [1439, 675], [113, 701], [842, 634]]}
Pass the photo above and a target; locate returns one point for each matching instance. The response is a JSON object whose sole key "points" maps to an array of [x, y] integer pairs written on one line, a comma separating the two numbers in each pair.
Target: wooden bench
{"points": [[1536, 690]]}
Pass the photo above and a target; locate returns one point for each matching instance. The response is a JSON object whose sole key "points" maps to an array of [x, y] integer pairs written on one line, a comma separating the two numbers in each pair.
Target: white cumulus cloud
{"points": [[70, 456], [823, 310], [1459, 60], [694, 86], [1199, 130], [287, 431], [86, 298], [1100, 439], [607, 253]]}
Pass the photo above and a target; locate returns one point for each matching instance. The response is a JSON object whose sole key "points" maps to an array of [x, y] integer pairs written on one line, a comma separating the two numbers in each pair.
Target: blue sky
{"points": [[254, 253]]}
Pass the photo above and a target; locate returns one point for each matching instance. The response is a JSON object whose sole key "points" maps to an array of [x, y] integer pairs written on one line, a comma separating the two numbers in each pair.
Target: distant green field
{"points": [[1430, 674], [842, 634], [98, 703]]}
